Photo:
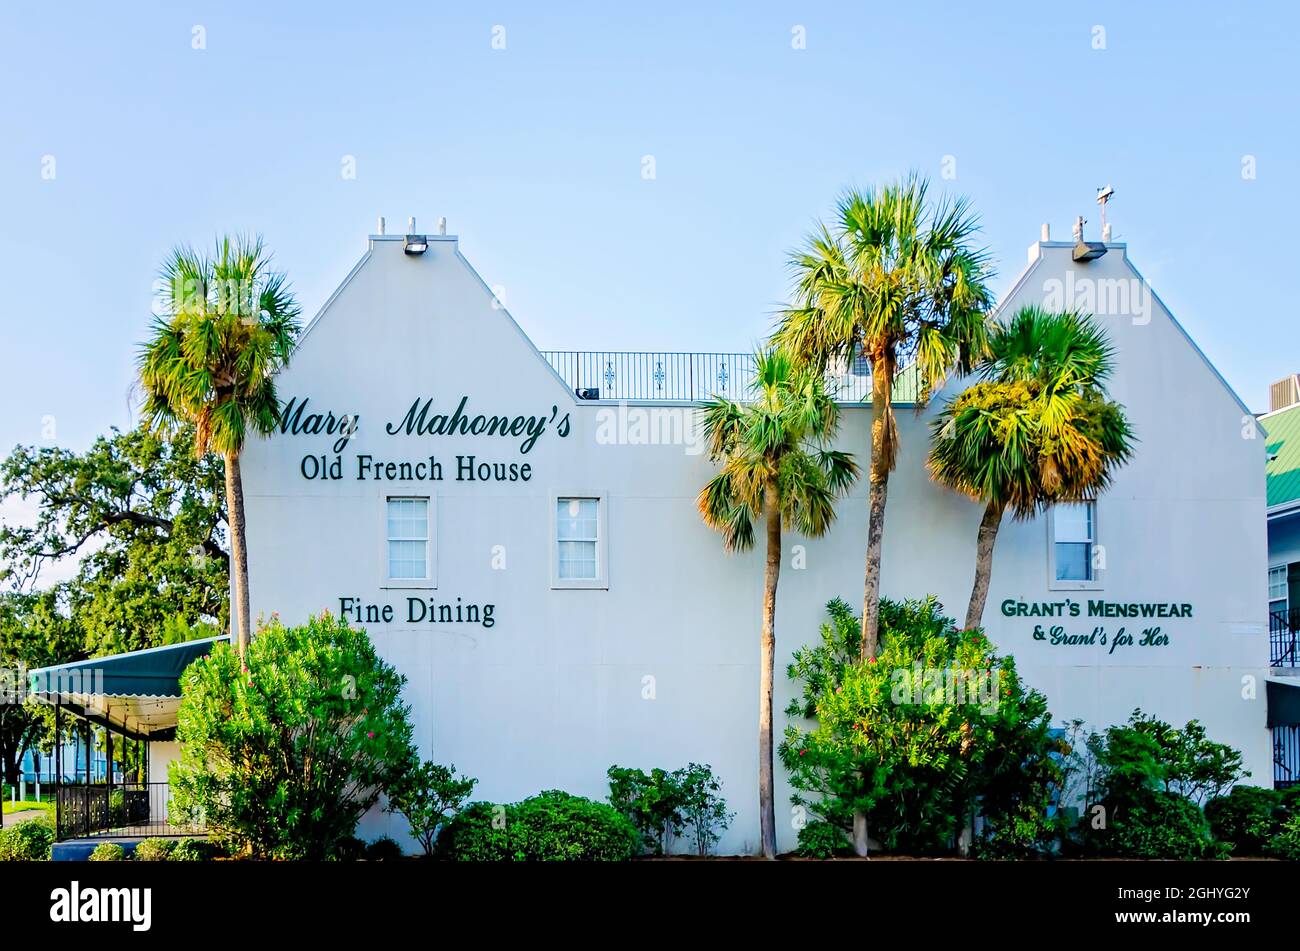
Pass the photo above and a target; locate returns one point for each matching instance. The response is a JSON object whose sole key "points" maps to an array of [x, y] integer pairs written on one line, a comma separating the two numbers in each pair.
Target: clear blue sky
{"points": [[534, 152]]}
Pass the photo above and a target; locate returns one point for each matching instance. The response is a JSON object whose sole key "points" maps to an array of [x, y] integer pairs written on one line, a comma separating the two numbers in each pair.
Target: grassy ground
{"points": [[29, 808], [22, 811]]}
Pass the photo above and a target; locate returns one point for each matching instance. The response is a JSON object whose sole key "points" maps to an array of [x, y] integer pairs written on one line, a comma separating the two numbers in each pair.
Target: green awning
{"points": [[137, 693], [1283, 702]]}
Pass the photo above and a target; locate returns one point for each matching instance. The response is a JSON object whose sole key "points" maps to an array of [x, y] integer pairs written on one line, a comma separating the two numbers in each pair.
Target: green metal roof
{"points": [[1283, 428]]}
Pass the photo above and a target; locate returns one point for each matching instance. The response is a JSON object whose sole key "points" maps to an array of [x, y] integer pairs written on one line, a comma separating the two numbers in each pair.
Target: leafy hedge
{"points": [[1252, 820], [1163, 825], [154, 850], [108, 852], [28, 841], [821, 840], [552, 826]]}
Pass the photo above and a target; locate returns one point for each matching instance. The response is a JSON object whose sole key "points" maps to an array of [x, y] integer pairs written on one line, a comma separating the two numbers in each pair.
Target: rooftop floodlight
{"points": [[414, 243]]}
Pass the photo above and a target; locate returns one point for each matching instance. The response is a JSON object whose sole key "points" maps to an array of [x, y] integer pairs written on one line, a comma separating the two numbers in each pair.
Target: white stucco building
{"points": [[534, 563]]}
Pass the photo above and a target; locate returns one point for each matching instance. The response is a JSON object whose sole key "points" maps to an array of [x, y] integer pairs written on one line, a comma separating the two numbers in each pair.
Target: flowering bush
{"points": [[282, 758]]}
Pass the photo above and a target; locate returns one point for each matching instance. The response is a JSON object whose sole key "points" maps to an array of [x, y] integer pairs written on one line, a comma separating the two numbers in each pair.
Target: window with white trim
{"points": [[1074, 534], [1277, 593], [577, 539], [408, 539]]}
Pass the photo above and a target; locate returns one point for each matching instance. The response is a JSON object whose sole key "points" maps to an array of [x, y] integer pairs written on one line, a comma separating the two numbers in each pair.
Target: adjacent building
{"points": [[1282, 423]]}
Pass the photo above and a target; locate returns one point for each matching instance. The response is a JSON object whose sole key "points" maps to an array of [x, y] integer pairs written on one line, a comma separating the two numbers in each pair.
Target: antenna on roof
{"points": [[1104, 195]]}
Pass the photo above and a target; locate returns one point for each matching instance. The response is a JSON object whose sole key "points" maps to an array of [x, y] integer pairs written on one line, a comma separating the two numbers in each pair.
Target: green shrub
{"points": [[704, 811], [821, 840], [476, 834], [1149, 781], [663, 805], [383, 849], [1286, 844], [552, 826], [193, 850], [1147, 753], [281, 760], [1247, 818], [154, 850], [28, 841], [427, 795], [894, 744], [1161, 825], [651, 801], [116, 808], [556, 826], [108, 852]]}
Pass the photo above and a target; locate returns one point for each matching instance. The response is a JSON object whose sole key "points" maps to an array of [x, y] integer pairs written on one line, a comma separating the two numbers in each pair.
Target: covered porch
{"points": [[131, 700]]}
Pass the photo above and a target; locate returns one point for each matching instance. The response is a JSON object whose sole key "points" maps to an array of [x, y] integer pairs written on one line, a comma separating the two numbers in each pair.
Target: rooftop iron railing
{"points": [[680, 377]]}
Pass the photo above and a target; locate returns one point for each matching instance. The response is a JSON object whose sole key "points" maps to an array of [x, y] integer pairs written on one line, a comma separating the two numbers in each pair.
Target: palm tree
{"points": [[1038, 429], [229, 325], [776, 466], [897, 280]]}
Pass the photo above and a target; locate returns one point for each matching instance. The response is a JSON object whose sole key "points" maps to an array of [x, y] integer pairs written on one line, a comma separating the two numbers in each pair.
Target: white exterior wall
{"points": [[554, 693]]}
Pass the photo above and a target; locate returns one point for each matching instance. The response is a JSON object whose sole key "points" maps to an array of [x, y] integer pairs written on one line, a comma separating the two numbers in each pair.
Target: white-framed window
{"points": [[1277, 589], [579, 554], [408, 541], [1072, 531]]}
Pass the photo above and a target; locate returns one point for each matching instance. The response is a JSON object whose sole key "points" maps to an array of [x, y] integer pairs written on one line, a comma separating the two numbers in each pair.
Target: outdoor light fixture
{"points": [[1085, 251], [414, 243]]}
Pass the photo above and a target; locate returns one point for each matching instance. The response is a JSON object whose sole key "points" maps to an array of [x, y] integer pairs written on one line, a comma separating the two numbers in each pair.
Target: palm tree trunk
{"points": [[767, 663], [238, 551], [881, 387], [988, 535]]}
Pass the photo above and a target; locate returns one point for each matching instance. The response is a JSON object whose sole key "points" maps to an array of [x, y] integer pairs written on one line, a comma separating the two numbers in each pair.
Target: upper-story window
{"points": [[1277, 593], [577, 531], [579, 559], [1074, 539], [408, 540]]}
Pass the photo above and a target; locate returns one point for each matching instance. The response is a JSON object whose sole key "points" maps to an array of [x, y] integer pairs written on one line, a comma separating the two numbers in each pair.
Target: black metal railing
{"points": [[1284, 638], [116, 809], [1286, 756], [679, 377]]}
